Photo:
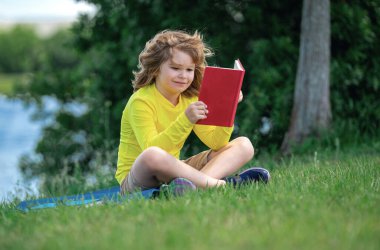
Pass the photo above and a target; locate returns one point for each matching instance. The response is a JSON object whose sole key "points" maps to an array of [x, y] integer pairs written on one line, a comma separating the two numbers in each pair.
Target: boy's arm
{"points": [[142, 118], [215, 137], [212, 136]]}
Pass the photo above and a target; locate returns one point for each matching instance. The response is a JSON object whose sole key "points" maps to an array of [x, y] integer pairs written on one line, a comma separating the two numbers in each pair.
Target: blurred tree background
{"points": [[92, 65]]}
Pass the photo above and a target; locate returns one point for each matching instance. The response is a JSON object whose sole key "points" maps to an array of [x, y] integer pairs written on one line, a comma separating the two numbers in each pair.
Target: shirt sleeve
{"points": [[214, 137], [142, 117]]}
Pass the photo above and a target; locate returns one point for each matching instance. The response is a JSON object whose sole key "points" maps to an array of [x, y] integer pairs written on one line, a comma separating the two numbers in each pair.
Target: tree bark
{"points": [[311, 112]]}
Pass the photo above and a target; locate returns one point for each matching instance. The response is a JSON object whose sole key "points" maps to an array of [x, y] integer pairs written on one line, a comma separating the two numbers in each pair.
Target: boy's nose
{"points": [[182, 74]]}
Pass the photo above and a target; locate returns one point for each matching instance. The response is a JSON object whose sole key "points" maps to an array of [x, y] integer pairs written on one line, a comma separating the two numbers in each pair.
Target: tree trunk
{"points": [[311, 112]]}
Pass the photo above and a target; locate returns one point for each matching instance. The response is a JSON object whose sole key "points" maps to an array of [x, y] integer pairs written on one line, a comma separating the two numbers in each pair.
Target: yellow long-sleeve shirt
{"points": [[149, 119]]}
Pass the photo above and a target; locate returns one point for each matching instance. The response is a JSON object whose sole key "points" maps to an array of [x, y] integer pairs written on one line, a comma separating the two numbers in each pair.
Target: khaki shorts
{"points": [[131, 184], [198, 161]]}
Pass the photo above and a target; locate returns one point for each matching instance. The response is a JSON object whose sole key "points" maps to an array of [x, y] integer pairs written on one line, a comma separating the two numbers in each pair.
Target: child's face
{"points": [[176, 74]]}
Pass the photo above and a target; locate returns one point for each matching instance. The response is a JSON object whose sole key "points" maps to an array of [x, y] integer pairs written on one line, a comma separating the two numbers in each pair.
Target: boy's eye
{"points": [[175, 68], [190, 70]]}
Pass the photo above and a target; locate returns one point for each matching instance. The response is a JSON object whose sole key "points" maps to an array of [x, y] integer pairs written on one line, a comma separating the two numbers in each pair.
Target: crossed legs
{"points": [[155, 165]]}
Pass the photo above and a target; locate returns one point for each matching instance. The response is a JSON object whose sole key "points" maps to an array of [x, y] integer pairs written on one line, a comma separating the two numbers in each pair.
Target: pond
{"points": [[19, 134]]}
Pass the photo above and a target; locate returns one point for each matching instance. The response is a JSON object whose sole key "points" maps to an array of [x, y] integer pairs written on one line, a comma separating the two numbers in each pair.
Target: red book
{"points": [[220, 91]]}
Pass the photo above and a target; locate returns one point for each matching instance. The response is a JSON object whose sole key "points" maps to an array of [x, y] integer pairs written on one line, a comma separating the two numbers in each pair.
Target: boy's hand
{"points": [[196, 111]]}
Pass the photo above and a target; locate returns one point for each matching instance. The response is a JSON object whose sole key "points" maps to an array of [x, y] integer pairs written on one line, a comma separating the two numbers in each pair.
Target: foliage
{"points": [[19, 49], [355, 70], [9, 81], [263, 34], [318, 201]]}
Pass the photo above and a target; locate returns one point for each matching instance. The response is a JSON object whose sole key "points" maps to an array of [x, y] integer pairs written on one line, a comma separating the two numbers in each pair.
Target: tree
{"points": [[19, 49], [108, 45], [93, 67], [311, 111]]}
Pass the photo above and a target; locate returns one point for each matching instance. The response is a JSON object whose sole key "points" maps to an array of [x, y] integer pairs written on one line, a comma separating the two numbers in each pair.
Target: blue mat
{"points": [[96, 197]]}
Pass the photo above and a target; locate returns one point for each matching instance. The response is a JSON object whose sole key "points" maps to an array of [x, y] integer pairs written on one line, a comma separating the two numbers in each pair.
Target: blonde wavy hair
{"points": [[159, 49]]}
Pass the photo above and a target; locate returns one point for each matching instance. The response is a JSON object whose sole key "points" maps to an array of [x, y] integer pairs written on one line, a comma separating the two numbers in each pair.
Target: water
{"points": [[18, 135]]}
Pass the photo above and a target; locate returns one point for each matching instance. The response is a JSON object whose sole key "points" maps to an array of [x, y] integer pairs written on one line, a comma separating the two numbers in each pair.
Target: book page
{"points": [[238, 65]]}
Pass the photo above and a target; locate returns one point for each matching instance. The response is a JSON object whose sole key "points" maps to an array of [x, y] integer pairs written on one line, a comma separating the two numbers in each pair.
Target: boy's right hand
{"points": [[196, 111]]}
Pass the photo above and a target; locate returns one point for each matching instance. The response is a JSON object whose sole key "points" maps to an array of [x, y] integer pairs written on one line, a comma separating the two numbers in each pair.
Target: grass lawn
{"points": [[327, 200]]}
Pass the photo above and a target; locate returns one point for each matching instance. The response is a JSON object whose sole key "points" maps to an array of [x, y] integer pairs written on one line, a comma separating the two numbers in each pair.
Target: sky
{"points": [[17, 11]]}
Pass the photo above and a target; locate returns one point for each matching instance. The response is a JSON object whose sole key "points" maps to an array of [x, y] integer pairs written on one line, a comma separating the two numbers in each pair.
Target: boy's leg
{"points": [[229, 159], [155, 166]]}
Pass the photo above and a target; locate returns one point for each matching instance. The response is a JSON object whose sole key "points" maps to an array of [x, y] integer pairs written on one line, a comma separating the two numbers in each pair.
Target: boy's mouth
{"points": [[182, 83]]}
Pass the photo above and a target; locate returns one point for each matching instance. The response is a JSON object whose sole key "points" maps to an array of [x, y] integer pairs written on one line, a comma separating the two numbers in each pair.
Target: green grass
{"points": [[328, 200]]}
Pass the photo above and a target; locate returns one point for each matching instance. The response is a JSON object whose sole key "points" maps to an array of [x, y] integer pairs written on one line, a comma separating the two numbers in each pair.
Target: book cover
{"points": [[220, 91]]}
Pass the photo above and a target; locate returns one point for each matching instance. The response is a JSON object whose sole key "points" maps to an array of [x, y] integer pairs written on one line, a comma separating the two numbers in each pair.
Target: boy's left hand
{"points": [[240, 96]]}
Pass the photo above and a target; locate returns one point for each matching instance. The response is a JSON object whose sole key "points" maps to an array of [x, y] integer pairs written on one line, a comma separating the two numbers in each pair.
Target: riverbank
{"points": [[18, 136]]}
